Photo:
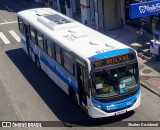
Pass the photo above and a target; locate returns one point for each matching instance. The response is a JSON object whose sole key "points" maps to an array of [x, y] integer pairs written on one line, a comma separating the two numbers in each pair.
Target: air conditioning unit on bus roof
{"points": [[43, 11], [56, 22]]}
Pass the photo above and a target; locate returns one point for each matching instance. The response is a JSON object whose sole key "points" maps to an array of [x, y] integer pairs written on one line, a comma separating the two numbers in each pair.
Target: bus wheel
{"points": [[73, 95], [37, 62]]}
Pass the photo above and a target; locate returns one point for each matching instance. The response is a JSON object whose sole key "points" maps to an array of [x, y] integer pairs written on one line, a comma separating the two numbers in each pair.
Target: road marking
{"points": [[8, 22], [15, 35], [3, 37], [3, 18]]}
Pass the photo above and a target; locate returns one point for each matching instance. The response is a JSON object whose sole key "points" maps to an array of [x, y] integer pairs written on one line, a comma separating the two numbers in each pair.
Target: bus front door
{"points": [[81, 86], [27, 38]]}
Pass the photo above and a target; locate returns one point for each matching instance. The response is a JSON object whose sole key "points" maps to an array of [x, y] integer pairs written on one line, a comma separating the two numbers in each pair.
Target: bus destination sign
{"points": [[113, 60]]}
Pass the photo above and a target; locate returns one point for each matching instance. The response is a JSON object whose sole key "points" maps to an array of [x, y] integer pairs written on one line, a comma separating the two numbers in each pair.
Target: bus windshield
{"points": [[115, 81]]}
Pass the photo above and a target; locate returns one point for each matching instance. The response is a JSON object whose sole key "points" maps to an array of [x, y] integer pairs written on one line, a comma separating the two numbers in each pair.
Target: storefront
{"points": [[145, 21], [109, 13]]}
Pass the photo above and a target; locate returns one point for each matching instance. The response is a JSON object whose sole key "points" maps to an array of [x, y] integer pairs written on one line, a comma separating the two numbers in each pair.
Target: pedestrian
{"points": [[43, 3], [86, 23], [93, 25]]}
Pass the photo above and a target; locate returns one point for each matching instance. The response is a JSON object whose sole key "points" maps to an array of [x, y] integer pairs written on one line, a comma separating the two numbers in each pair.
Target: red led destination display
{"points": [[113, 60]]}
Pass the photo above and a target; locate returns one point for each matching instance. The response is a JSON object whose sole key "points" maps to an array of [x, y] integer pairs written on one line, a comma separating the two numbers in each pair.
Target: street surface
{"points": [[27, 94]]}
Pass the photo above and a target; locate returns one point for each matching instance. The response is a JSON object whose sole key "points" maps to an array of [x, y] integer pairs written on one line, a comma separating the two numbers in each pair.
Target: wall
{"points": [[112, 14]]}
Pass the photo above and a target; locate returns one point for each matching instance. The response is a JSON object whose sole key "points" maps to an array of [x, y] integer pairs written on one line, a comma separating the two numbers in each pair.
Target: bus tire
{"points": [[73, 95], [37, 62]]}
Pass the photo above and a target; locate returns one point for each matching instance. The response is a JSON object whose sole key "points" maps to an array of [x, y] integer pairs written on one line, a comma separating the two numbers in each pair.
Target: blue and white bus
{"points": [[99, 73]]}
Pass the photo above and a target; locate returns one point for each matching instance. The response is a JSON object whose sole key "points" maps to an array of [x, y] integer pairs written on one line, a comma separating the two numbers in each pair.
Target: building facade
{"points": [[107, 14], [145, 21]]}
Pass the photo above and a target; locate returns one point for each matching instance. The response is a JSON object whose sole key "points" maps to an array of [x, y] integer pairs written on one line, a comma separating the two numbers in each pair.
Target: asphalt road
{"points": [[27, 94]]}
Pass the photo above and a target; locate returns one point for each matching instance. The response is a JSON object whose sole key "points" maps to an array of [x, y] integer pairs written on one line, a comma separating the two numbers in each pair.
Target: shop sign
{"points": [[144, 9]]}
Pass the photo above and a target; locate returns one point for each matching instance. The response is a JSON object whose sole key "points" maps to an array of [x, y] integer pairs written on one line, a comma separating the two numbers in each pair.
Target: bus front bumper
{"points": [[95, 112]]}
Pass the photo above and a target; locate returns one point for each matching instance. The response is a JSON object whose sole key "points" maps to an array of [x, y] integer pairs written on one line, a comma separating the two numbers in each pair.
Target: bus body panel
{"points": [[56, 72], [85, 51], [95, 112]]}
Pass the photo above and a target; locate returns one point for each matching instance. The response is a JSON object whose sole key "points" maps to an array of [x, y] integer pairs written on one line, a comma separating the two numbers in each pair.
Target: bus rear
{"points": [[115, 87]]}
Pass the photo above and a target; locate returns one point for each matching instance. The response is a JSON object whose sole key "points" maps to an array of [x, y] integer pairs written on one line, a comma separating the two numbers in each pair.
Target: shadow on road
{"points": [[60, 104]]}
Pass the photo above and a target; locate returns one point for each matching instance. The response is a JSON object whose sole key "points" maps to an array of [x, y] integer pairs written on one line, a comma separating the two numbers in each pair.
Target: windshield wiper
{"points": [[109, 75]]}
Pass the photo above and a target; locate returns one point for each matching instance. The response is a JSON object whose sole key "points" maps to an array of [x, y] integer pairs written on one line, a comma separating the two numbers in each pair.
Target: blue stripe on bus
{"points": [[111, 53], [60, 72], [53, 66], [117, 104]]}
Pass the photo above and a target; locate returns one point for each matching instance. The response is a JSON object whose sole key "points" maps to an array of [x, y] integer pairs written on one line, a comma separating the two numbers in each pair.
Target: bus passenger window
{"points": [[21, 25], [40, 40], [53, 51], [58, 54], [62, 57], [32, 34], [49, 48], [68, 62]]}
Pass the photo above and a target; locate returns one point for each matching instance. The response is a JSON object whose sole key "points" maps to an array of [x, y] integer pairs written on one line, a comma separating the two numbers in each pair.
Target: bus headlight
{"points": [[97, 106], [137, 96]]}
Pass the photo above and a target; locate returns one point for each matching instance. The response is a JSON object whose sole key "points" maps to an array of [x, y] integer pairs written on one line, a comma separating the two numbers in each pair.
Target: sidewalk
{"points": [[149, 67]]}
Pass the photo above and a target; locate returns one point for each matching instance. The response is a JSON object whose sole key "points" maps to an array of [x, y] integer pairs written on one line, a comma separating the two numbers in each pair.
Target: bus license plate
{"points": [[120, 112]]}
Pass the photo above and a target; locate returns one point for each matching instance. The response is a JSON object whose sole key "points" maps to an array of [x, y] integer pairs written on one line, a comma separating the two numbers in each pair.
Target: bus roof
{"points": [[72, 35]]}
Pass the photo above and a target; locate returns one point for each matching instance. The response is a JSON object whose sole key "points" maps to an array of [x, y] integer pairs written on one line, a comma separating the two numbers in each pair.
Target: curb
{"points": [[151, 89], [22, 2], [8, 8]]}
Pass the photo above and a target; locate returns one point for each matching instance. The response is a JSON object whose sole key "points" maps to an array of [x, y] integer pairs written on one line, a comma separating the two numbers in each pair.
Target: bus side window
{"points": [[21, 25], [62, 57], [58, 54], [53, 50], [68, 62], [40, 40], [48, 47], [32, 34]]}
